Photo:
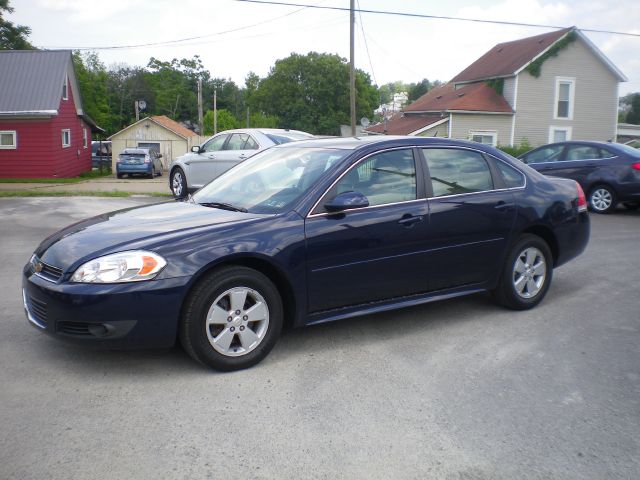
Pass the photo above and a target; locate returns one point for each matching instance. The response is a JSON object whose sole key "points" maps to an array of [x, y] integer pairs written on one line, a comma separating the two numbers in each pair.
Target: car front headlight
{"points": [[132, 266]]}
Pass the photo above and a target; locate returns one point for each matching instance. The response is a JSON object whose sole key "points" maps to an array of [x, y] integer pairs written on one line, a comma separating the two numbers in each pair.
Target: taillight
{"points": [[582, 199], [147, 160], [636, 166]]}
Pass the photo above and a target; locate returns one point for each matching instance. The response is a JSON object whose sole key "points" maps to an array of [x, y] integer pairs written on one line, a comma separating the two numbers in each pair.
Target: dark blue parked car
{"points": [[608, 172], [304, 233]]}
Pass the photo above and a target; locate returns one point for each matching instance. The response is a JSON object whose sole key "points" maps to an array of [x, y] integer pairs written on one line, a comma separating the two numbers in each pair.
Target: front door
{"points": [[372, 253], [202, 166]]}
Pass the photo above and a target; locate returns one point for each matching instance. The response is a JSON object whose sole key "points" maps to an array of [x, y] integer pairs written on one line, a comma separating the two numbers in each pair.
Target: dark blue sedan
{"points": [[305, 233], [608, 172]]}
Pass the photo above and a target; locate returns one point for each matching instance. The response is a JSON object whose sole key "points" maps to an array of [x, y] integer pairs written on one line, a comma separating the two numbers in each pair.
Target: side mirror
{"points": [[159, 155], [195, 149], [346, 201]]}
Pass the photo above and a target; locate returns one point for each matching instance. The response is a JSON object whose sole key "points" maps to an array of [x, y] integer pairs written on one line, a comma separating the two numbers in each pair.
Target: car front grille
{"points": [[36, 311], [73, 328], [47, 271]]}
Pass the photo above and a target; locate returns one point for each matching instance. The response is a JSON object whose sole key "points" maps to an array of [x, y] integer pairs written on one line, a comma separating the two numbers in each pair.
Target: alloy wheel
{"points": [[237, 321], [601, 199], [529, 272]]}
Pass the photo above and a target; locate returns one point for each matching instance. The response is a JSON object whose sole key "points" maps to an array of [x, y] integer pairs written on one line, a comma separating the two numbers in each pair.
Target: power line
{"points": [[181, 40], [366, 45], [436, 17]]}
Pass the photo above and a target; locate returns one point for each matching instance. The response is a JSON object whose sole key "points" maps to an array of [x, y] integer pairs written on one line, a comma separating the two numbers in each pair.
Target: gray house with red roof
{"points": [[551, 87]]}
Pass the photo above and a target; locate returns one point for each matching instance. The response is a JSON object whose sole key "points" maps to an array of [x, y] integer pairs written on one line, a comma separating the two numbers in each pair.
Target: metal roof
{"points": [[32, 81]]}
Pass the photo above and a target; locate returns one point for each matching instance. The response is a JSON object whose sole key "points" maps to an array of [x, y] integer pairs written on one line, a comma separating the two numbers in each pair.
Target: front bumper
{"points": [[124, 315]]}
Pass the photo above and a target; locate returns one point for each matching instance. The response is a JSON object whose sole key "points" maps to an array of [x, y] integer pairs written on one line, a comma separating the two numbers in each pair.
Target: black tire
{"points": [[602, 199], [631, 205], [119, 175], [160, 173], [153, 173], [211, 293], [507, 293], [178, 183]]}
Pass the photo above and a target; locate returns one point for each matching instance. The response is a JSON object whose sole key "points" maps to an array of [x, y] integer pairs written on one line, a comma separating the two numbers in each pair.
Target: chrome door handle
{"points": [[410, 220]]}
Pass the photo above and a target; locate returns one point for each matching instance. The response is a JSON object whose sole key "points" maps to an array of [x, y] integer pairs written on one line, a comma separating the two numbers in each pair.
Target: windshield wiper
{"points": [[223, 206]]}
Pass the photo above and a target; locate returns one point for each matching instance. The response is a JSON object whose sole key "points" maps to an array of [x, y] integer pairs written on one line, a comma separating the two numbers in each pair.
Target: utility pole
{"points": [[200, 120], [137, 110], [352, 76], [248, 117], [215, 111]]}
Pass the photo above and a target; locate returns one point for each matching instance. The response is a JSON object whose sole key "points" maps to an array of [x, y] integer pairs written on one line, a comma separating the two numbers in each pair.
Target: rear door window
{"points": [[455, 172], [582, 152]]}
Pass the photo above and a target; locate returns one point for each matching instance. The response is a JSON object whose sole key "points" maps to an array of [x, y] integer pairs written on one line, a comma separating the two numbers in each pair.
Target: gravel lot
{"points": [[460, 389]]}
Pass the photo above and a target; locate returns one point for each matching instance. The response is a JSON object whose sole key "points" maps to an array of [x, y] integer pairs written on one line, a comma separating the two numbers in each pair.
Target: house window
{"points": [[565, 90], [486, 138], [8, 140], [65, 88], [559, 134], [85, 142], [66, 138]]}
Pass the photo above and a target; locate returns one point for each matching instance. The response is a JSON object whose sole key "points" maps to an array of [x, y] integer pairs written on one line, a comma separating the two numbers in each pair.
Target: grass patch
{"points": [[84, 176], [92, 193]]}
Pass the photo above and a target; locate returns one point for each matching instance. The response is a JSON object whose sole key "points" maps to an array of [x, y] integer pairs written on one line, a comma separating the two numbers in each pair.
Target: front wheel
{"points": [[602, 199], [178, 183], [231, 319], [526, 275]]}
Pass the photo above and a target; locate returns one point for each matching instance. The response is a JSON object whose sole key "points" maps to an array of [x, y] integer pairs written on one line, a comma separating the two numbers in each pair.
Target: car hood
{"points": [[128, 229]]}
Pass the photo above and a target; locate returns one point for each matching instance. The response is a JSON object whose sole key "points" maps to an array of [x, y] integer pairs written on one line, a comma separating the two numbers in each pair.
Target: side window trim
{"points": [[420, 192]]}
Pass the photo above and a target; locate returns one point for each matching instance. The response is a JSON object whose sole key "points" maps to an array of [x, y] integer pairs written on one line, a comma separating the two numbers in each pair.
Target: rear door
{"points": [[471, 217]]}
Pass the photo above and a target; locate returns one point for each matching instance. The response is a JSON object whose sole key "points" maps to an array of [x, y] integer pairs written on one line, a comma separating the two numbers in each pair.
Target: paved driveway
{"points": [[455, 390]]}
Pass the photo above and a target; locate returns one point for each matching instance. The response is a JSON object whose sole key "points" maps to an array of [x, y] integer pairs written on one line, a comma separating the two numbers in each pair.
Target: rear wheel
{"points": [[178, 183], [231, 319], [153, 172], [119, 175], [602, 199], [526, 275]]}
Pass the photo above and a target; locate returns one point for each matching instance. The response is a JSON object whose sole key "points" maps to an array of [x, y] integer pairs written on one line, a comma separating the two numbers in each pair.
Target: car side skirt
{"points": [[393, 304]]}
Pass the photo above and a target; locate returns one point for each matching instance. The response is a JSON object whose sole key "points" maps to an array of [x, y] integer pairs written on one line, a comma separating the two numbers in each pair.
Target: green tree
{"points": [[416, 90], [93, 81], [311, 92], [633, 115], [226, 121], [12, 37]]}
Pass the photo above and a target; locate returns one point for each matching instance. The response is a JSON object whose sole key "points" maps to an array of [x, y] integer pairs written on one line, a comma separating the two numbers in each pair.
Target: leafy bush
{"points": [[516, 150]]}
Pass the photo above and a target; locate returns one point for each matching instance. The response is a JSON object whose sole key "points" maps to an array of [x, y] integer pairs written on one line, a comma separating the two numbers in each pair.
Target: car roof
{"points": [[136, 150], [356, 143]]}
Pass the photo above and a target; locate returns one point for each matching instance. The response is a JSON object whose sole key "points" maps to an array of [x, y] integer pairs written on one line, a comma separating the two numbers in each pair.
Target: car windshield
{"points": [[281, 138], [271, 181]]}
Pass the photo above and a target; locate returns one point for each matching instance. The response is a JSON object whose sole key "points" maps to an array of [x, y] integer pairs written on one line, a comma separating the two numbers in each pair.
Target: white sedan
{"points": [[221, 152]]}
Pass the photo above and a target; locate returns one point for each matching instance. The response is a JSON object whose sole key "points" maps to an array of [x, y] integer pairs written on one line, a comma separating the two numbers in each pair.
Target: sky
{"points": [[236, 38]]}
